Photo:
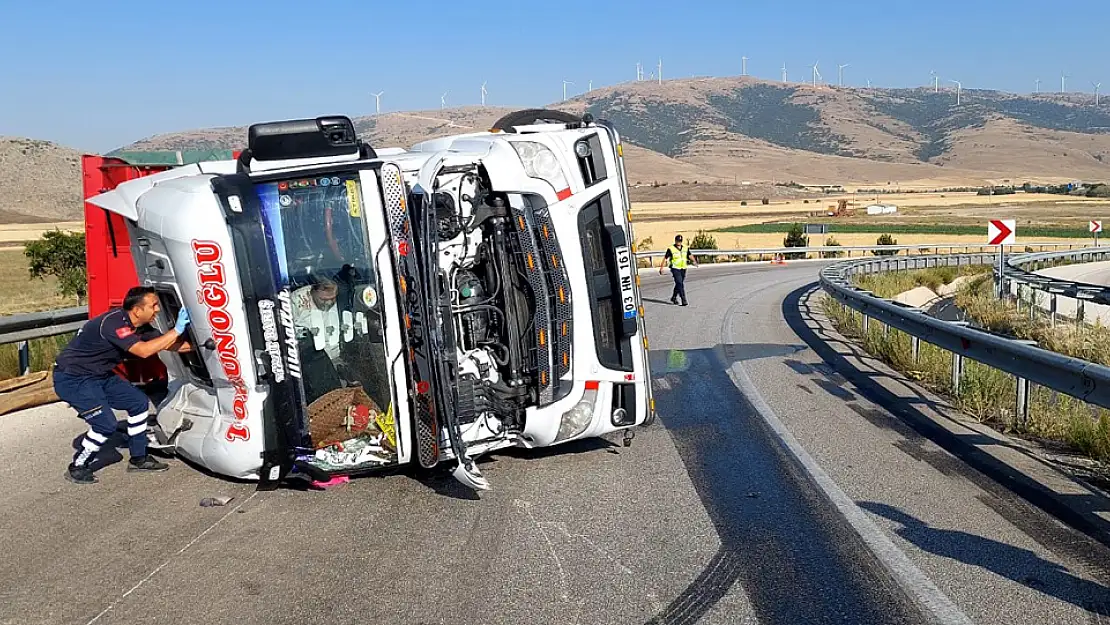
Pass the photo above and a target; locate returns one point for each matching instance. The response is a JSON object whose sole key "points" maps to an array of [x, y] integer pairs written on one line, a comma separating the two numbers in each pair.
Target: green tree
{"points": [[795, 237], [831, 242], [62, 255], [885, 239], [704, 241]]}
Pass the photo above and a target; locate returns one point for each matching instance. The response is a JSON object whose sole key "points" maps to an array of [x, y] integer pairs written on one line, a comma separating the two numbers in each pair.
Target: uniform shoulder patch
{"points": [[124, 332]]}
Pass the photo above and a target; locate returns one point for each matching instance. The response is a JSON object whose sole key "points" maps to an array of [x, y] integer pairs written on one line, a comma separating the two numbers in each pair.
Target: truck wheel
{"points": [[528, 117]]}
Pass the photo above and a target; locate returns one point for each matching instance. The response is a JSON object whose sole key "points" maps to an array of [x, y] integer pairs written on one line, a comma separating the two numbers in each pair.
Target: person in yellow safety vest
{"points": [[677, 256]]}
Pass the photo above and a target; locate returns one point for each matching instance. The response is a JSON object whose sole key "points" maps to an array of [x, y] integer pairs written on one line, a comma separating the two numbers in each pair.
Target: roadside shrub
{"points": [[885, 239], [831, 242], [62, 255], [704, 241], [795, 237], [765, 201]]}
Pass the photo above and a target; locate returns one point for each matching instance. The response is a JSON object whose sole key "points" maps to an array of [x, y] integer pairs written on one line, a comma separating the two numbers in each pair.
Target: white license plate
{"points": [[624, 270]]}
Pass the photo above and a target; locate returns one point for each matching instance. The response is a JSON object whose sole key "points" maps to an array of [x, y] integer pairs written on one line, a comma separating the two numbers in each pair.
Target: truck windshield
{"points": [[321, 256]]}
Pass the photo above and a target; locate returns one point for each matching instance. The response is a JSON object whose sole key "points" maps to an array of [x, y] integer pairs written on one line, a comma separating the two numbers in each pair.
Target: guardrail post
{"points": [[24, 358], [1078, 311], [1021, 411], [1052, 309], [915, 349], [957, 371], [865, 324]]}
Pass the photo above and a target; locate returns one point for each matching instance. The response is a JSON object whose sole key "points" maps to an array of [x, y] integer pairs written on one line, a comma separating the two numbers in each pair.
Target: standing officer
{"points": [[84, 378], [677, 257]]}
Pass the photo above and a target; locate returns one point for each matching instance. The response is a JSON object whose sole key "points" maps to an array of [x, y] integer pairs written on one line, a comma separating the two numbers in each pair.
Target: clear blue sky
{"points": [[98, 75]]}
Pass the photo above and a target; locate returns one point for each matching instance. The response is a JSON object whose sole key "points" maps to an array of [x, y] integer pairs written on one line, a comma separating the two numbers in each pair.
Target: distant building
{"points": [[881, 209]]}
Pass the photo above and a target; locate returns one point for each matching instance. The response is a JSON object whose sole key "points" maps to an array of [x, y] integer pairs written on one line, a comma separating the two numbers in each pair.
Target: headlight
{"points": [[539, 162], [577, 419]]}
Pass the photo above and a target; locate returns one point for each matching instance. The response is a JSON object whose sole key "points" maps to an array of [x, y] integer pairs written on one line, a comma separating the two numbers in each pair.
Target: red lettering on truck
{"points": [[213, 294]]}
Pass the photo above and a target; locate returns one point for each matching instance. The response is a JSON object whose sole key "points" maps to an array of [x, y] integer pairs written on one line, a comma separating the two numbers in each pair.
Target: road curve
{"points": [[770, 491]]}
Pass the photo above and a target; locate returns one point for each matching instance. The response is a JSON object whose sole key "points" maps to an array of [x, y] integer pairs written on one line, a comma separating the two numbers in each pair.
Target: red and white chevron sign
{"points": [[1001, 232], [1096, 226]]}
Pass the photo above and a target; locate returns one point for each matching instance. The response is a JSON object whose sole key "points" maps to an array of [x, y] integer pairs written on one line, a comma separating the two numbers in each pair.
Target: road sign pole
{"points": [[1001, 275]]}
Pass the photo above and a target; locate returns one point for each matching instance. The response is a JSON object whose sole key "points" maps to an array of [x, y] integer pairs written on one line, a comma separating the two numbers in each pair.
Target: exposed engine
{"points": [[491, 303]]}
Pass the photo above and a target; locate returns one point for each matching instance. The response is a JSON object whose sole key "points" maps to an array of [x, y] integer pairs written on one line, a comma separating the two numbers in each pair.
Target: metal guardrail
{"points": [[835, 251], [29, 326], [1083, 380], [1021, 269]]}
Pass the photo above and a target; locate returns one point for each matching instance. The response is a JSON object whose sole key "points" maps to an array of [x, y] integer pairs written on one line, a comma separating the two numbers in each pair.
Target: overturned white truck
{"points": [[357, 309]]}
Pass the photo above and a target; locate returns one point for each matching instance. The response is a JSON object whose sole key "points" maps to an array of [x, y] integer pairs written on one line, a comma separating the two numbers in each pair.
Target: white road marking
{"points": [[912, 580], [170, 559]]}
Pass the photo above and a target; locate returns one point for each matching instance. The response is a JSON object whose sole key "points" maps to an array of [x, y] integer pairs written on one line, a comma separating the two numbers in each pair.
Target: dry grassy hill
{"points": [[41, 181], [723, 131]]}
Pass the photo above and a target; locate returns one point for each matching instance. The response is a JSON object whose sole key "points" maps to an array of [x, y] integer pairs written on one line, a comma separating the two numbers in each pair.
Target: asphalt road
{"points": [[1090, 273], [769, 491]]}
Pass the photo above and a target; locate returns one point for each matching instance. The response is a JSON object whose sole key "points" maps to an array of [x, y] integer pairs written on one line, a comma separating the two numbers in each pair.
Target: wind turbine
{"points": [[816, 74], [1063, 78], [1038, 81], [565, 83], [868, 83], [483, 94], [743, 66], [1097, 85], [936, 81], [378, 102], [840, 74], [660, 71], [590, 87], [784, 72], [639, 71], [959, 87], [443, 100]]}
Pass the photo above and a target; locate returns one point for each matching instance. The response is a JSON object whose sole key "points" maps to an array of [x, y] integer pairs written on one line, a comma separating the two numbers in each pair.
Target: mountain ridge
{"points": [[718, 130]]}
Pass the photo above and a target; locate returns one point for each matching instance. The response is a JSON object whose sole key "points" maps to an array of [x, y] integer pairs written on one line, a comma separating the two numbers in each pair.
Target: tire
{"points": [[528, 117]]}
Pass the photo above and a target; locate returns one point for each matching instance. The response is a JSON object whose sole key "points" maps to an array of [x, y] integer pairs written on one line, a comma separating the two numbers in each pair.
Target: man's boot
{"points": [[146, 464], [81, 475]]}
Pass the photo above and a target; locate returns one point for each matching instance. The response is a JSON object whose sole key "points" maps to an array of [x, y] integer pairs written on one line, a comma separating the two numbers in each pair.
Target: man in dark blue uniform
{"points": [[84, 378]]}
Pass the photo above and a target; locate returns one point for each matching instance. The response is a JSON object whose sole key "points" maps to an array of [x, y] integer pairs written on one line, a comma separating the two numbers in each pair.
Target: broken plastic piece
{"points": [[210, 502], [335, 481]]}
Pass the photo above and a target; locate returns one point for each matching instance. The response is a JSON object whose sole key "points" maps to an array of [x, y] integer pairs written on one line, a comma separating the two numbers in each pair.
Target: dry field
{"points": [[19, 293], [14, 235], [662, 220]]}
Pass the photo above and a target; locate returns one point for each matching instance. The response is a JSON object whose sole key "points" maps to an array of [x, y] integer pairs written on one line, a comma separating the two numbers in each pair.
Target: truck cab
{"points": [[358, 309]]}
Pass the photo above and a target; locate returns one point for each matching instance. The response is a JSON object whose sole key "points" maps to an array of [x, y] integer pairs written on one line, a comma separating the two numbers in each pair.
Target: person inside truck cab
{"points": [[85, 378], [319, 324], [318, 314]]}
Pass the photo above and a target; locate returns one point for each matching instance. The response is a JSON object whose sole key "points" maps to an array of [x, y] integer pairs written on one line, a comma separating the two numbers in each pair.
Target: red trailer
{"points": [[111, 271]]}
